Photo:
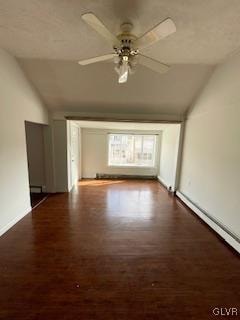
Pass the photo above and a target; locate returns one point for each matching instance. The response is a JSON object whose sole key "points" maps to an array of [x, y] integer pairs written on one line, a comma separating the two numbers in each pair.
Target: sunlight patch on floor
{"points": [[98, 183]]}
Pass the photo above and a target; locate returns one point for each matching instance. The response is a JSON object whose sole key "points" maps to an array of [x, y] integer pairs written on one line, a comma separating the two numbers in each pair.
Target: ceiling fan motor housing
{"points": [[126, 50]]}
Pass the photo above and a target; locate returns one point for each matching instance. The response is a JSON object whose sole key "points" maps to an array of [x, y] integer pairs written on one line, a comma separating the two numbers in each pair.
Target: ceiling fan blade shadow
{"points": [[160, 31]]}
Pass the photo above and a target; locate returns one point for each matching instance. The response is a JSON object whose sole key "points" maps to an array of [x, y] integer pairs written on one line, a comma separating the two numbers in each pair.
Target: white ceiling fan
{"points": [[126, 46]]}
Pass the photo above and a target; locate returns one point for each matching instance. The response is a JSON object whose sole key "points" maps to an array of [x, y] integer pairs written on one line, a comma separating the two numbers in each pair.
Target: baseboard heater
{"points": [[215, 224], [124, 176]]}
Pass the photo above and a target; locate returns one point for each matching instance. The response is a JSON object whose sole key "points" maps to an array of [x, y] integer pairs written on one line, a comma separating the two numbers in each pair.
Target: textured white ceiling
{"points": [[65, 85], [207, 30], [49, 37]]}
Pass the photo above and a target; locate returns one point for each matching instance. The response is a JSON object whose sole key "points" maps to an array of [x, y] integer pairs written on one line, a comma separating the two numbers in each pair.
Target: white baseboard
{"points": [[14, 221], [36, 189], [91, 177], [161, 180], [164, 183], [217, 226]]}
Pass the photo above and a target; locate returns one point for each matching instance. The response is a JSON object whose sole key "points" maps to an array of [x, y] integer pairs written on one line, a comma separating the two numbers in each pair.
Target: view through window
{"points": [[132, 150]]}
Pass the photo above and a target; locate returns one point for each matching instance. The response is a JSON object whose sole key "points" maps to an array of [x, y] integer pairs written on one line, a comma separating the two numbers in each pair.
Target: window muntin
{"points": [[134, 150]]}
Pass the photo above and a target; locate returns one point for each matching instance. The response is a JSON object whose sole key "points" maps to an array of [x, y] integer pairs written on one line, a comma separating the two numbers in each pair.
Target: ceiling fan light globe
{"points": [[123, 72], [123, 78]]}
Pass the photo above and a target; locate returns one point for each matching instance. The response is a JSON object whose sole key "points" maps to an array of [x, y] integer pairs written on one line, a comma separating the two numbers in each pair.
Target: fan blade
{"points": [[98, 26], [97, 59], [160, 31], [153, 64]]}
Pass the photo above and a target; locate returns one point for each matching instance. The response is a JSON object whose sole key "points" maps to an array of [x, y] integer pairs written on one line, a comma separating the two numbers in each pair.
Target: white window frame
{"points": [[134, 165]]}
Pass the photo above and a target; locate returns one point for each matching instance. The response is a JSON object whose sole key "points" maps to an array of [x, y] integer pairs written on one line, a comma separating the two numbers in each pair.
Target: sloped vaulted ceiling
{"points": [[94, 88], [49, 38]]}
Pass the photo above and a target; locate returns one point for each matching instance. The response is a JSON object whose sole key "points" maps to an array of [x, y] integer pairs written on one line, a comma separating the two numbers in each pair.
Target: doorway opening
{"points": [[124, 150]]}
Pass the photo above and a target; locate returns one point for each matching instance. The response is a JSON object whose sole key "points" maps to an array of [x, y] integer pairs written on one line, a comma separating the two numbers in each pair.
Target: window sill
{"points": [[130, 167]]}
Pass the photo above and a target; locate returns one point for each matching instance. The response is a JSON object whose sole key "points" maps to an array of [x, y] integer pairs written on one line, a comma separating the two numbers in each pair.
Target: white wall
{"points": [[18, 102], [35, 154], [169, 155], [49, 157], [210, 175], [60, 143], [95, 155]]}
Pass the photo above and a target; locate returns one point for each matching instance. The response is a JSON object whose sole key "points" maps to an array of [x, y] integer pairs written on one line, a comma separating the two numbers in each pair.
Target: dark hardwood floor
{"points": [[115, 250], [37, 198]]}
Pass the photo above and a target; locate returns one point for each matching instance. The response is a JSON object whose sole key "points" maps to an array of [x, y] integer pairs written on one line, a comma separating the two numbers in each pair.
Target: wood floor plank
{"points": [[115, 250]]}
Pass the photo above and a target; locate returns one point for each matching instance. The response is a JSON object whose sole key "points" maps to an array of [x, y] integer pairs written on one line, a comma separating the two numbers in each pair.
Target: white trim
{"points": [[212, 222], [122, 166], [14, 221], [164, 183], [151, 117]]}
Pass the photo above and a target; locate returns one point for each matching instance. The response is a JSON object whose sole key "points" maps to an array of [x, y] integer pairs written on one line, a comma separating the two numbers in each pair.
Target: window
{"points": [[131, 150]]}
